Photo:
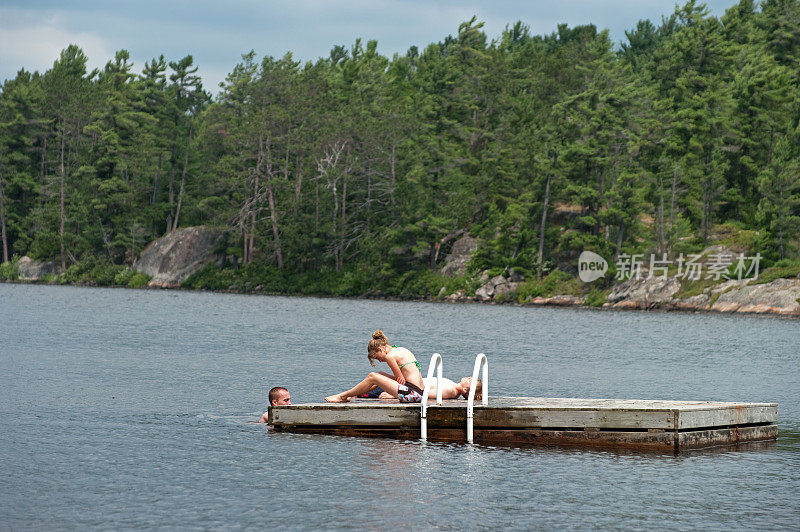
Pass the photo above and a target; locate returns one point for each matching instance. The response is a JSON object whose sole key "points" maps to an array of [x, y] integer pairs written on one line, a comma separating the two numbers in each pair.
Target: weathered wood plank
{"points": [[355, 415], [649, 441], [700, 439], [738, 414]]}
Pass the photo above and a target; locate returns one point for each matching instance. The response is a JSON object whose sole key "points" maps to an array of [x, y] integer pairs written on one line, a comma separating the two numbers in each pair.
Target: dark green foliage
{"points": [[596, 298], [782, 269], [557, 282], [8, 270], [355, 174], [94, 271]]}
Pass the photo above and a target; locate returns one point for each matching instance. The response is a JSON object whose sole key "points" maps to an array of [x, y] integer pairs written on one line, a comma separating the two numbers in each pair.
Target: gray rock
{"points": [[455, 263], [458, 295], [170, 260], [644, 293], [727, 285], [561, 300], [698, 302], [33, 270], [494, 287], [497, 280], [484, 293], [778, 297]]}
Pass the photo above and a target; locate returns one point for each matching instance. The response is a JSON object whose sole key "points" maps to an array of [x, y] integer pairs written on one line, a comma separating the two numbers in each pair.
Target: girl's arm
{"points": [[395, 367]]}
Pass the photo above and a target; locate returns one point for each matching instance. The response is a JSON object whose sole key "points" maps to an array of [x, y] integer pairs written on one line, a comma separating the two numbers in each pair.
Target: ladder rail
{"points": [[436, 363], [481, 362]]}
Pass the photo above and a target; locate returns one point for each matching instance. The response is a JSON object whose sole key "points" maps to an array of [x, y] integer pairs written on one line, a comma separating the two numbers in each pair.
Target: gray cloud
{"points": [[33, 32]]}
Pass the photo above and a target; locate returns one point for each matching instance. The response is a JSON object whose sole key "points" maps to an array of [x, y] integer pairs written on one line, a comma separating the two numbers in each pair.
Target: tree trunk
{"points": [[254, 203], [661, 243], [620, 238], [171, 192], [42, 169], [543, 225], [343, 223], [158, 180], [63, 214], [3, 219], [368, 203], [437, 246], [276, 236], [180, 201], [673, 194], [335, 219], [297, 187], [183, 181], [316, 206], [393, 173]]}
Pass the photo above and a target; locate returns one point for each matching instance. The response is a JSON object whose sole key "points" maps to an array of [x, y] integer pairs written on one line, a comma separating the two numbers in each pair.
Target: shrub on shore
{"points": [[9, 271]]}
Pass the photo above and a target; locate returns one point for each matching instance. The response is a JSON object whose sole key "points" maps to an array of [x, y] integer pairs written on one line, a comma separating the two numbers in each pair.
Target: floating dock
{"points": [[663, 426]]}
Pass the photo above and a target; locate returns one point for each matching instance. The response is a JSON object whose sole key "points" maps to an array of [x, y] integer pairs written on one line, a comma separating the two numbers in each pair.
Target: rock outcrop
{"points": [[34, 270], [644, 293], [781, 296], [455, 263], [561, 300], [497, 285], [494, 287], [170, 260]]}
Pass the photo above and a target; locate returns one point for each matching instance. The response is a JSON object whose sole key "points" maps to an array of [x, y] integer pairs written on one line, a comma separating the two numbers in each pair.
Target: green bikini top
{"points": [[412, 362]]}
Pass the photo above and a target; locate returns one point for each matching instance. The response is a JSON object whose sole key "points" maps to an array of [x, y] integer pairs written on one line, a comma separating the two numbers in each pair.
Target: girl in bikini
{"points": [[405, 381]]}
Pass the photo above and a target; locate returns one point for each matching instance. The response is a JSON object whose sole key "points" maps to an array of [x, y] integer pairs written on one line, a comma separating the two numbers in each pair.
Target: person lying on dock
{"points": [[405, 382], [450, 389], [277, 396]]}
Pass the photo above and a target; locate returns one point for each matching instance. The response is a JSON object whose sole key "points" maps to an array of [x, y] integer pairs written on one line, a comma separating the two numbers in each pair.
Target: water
{"points": [[134, 409]]}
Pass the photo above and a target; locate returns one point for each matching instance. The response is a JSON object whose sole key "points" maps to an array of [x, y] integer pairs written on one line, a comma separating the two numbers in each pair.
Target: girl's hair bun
{"points": [[378, 335]]}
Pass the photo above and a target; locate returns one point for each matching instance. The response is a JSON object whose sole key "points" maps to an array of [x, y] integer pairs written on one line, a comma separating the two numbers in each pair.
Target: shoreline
{"points": [[561, 303]]}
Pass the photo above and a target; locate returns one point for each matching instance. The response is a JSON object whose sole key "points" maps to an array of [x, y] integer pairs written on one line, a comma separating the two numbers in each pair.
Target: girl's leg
{"points": [[375, 387], [388, 384]]}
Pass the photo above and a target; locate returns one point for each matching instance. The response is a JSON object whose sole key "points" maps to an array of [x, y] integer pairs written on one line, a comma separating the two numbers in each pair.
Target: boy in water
{"points": [[277, 396]]}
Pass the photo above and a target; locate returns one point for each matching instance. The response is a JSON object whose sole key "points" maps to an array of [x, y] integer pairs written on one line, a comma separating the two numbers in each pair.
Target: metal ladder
{"points": [[436, 362], [481, 362]]}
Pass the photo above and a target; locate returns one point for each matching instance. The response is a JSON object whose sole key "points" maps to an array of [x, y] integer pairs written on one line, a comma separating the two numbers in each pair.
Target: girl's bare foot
{"points": [[337, 399]]}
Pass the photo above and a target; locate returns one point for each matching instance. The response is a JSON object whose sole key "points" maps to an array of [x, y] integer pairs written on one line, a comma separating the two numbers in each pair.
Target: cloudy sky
{"points": [[217, 33]]}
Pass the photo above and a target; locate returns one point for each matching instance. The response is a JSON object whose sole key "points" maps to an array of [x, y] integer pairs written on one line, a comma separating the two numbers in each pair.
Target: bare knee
{"points": [[373, 377]]}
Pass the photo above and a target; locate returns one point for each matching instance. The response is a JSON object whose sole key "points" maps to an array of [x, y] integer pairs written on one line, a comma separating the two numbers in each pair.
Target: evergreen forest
{"points": [[355, 173]]}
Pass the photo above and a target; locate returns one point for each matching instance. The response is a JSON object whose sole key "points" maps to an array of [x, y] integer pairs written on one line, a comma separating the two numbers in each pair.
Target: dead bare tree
{"points": [[328, 169]]}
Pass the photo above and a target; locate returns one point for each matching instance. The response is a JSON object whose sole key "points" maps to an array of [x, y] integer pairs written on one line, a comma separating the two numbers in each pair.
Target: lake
{"points": [[135, 409]]}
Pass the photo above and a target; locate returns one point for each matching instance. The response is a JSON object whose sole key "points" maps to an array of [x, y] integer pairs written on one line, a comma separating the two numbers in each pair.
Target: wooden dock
{"points": [[664, 426]]}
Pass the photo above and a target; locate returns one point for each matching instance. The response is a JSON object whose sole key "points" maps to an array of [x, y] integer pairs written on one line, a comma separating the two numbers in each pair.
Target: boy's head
{"points": [[465, 383], [279, 396]]}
